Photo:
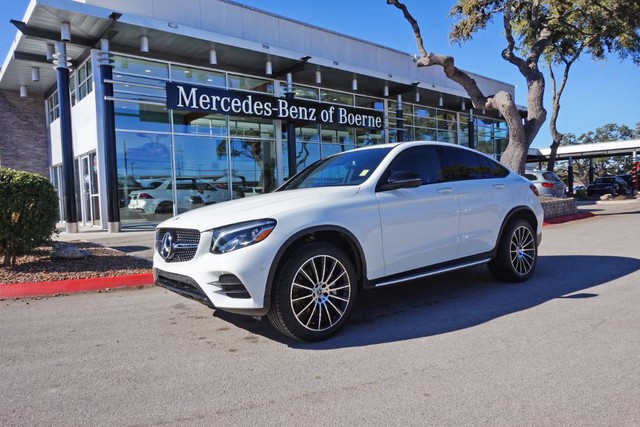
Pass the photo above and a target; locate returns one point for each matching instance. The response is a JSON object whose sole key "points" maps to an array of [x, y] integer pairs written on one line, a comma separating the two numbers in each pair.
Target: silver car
{"points": [[547, 183]]}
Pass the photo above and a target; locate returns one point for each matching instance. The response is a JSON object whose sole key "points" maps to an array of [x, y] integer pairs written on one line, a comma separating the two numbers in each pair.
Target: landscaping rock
{"points": [[68, 251]]}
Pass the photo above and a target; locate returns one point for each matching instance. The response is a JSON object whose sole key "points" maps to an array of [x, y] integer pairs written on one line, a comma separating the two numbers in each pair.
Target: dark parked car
{"points": [[613, 185], [628, 179]]}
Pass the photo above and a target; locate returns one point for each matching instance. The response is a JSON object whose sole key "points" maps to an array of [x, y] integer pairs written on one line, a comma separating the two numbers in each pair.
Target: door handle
{"points": [[446, 190], [498, 186]]}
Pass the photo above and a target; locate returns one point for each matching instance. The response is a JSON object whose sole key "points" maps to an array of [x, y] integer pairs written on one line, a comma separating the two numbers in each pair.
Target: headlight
{"points": [[232, 237]]}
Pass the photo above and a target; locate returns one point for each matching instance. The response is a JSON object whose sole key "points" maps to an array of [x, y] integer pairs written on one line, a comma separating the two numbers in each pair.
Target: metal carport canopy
{"points": [[584, 151]]}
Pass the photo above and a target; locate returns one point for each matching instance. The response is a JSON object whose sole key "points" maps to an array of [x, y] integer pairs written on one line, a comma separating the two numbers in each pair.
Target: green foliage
{"points": [[599, 28], [28, 212]]}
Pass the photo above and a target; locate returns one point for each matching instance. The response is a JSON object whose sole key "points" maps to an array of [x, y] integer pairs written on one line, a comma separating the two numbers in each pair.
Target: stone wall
{"points": [[24, 144], [555, 207]]}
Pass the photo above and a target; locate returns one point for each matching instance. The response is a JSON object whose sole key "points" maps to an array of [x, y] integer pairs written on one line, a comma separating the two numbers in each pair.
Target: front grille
{"points": [[231, 286], [186, 243], [182, 285]]}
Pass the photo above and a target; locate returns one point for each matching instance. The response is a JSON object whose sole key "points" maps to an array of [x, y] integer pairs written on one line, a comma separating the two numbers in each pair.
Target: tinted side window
{"points": [[497, 170], [423, 161], [464, 164]]}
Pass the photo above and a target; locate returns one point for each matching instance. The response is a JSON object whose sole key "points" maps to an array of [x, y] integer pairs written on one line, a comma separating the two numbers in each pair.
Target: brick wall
{"points": [[24, 143]]}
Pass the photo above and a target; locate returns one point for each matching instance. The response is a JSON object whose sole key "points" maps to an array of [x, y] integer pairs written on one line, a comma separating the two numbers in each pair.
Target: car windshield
{"points": [[349, 168]]}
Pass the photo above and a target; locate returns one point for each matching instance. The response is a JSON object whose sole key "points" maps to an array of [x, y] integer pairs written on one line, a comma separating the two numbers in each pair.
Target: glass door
{"points": [[89, 198]]}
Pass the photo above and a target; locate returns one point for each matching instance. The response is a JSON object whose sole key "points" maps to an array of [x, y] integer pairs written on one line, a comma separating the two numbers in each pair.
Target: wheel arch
{"points": [[519, 212], [336, 235]]}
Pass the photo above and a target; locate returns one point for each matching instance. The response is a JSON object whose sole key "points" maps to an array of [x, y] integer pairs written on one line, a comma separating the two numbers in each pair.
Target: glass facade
{"points": [[171, 161]]}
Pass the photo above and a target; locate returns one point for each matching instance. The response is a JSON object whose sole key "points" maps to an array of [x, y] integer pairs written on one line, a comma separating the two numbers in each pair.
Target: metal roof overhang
{"points": [[178, 43], [585, 151]]}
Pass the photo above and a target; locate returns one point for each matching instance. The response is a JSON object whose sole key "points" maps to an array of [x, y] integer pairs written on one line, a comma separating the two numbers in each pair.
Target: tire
{"points": [[517, 253], [164, 208], [314, 292]]}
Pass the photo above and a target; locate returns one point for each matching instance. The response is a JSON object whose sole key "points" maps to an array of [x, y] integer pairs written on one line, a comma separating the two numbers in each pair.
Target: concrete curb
{"points": [[38, 289], [567, 218]]}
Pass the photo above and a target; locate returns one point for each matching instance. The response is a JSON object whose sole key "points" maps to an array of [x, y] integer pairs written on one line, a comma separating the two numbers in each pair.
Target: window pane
{"points": [[306, 154], [201, 163], [304, 92], [141, 67], [253, 165], [197, 76], [251, 127], [130, 115], [199, 124], [366, 102], [336, 97], [250, 83]]}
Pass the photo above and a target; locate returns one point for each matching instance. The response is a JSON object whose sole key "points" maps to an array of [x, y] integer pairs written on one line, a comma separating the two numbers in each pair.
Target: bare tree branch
{"points": [[447, 63]]}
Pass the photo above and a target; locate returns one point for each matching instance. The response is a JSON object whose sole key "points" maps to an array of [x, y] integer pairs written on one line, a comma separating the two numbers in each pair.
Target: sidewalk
{"points": [[140, 243]]}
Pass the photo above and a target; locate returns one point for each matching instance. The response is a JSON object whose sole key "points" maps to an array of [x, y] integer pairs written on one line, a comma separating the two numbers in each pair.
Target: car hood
{"points": [[271, 205]]}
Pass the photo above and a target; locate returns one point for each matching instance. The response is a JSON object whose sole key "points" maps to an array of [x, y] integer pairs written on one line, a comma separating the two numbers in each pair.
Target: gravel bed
{"points": [[103, 262]]}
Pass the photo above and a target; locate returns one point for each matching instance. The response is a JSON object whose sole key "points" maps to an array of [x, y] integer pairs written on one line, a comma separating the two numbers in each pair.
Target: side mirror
{"points": [[401, 179]]}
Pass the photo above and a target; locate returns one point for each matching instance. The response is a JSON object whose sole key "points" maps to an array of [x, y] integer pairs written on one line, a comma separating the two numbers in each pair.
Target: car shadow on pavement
{"points": [[455, 301]]}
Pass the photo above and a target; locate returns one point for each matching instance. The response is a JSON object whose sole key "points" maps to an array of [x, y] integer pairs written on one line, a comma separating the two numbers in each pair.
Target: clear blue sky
{"points": [[597, 93]]}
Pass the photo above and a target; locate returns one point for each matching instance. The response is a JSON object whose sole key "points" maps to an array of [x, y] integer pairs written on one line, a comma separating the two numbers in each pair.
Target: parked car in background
{"points": [[628, 179], [192, 193], [613, 185], [360, 219], [547, 183], [579, 191]]}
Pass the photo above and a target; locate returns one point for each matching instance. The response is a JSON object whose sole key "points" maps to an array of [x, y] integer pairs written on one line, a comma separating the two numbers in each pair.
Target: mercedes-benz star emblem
{"points": [[168, 250]]}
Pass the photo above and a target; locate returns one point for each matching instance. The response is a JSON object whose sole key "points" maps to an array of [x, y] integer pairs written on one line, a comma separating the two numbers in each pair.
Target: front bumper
{"points": [[234, 282]]}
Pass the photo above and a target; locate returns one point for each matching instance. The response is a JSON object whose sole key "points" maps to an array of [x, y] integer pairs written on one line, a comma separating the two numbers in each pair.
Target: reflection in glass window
{"points": [[129, 87], [197, 76], [199, 124], [366, 102], [304, 92], [253, 167], [129, 115], [250, 83], [337, 134], [329, 149], [369, 137], [306, 154], [140, 67], [336, 97], [143, 163], [251, 127]]}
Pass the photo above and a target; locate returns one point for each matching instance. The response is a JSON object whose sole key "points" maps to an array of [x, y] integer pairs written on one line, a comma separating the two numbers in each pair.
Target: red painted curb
{"points": [[567, 218], [33, 289]]}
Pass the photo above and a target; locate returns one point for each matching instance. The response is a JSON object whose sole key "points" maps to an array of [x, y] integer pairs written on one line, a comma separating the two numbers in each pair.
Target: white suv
{"points": [[361, 219]]}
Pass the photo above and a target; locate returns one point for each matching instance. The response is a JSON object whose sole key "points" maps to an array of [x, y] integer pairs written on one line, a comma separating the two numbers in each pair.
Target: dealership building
{"points": [[140, 110]]}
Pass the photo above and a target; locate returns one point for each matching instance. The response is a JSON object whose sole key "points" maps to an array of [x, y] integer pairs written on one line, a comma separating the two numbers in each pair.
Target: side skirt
{"points": [[429, 271]]}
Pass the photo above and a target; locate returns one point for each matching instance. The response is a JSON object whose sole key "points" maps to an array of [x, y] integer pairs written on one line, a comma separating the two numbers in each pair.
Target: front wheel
{"points": [[517, 253], [314, 292]]}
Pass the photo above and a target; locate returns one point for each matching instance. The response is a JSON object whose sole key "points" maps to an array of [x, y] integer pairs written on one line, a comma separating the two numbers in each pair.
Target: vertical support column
{"points": [[399, 119], [471, 128], [64, 105], [570, 176], [590, 170], [635, 171], [109, 135], [291, 131]]}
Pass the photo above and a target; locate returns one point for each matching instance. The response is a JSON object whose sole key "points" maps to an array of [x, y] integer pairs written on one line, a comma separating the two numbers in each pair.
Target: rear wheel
{"points": [[517, 253], [314, 292]]}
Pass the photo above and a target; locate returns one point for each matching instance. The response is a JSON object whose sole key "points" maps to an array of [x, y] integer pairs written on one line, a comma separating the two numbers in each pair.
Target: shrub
{"points": [[28, 213]]}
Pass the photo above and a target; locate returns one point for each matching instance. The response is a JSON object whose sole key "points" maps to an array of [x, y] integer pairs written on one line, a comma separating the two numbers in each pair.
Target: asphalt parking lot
{"points": [[460, 349]]}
